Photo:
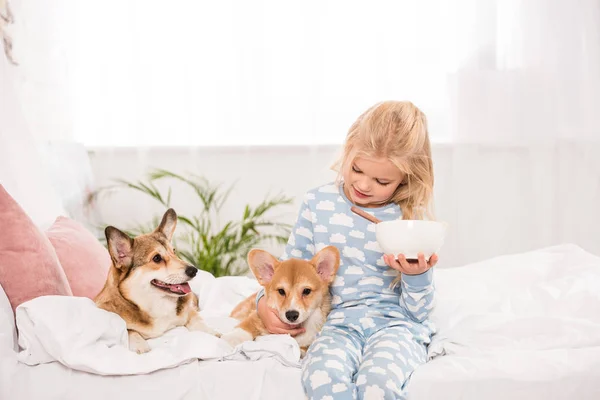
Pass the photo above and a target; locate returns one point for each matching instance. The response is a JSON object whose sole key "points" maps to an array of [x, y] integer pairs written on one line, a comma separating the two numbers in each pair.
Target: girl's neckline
{"points": [[368, 209]]}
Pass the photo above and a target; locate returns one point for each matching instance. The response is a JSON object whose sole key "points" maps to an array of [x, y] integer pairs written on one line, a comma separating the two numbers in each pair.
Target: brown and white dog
{"points": [[148, 286], [297, 289]]}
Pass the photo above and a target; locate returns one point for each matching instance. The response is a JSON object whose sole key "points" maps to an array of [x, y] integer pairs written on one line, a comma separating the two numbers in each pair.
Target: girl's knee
{"points": [[324, 377]]}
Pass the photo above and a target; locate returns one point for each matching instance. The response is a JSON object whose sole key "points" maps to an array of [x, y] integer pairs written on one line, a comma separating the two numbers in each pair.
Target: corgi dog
{"points": [[297, 289], [147, 285]]}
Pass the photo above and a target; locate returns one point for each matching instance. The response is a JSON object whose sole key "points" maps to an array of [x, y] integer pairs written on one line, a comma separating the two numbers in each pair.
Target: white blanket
{"points": [[74, 332], [541, 300]]}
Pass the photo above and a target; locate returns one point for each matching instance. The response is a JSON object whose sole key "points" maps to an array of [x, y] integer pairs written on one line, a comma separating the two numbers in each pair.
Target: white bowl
{"points": [[411, 237]]}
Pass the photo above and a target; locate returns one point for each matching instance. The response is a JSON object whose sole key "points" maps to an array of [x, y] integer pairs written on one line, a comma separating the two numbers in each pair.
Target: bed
{"points": [[523, 326]]}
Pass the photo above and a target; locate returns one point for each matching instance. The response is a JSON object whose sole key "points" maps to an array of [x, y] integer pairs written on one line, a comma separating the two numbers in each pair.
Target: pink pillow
{"points": [[28, 264], [82, 256]]}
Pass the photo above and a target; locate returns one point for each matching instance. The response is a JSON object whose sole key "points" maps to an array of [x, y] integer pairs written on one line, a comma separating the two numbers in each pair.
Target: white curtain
{"points": [[22, 173], [40, 166], [534, 76], [233, 72], [42, 34]]}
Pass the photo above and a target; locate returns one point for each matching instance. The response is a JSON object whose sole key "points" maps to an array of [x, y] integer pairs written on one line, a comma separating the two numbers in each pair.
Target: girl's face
{"points": [[371, 182]]}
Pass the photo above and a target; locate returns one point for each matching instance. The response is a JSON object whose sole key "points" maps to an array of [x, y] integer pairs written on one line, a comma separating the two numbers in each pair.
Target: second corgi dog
{"points": [[297, 289], [148, 286]]}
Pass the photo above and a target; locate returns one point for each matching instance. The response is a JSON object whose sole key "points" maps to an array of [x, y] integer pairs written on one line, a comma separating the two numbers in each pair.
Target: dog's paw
{"points": [[236, 337], [139, 345]]}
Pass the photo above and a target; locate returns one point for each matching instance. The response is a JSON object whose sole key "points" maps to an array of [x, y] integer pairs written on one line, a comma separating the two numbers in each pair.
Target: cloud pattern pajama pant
{"points": [[369, 357]]}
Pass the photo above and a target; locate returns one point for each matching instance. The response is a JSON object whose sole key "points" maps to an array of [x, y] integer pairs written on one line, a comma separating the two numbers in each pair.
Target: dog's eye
{"points": [[306, 292], [157, 258], [281, 292]]}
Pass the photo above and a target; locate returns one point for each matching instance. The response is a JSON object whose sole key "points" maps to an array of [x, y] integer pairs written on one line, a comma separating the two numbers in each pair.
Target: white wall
{"points": [[497, 199]]}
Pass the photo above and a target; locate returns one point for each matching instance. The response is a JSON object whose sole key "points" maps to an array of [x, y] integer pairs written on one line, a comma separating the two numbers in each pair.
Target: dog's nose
{"points": [[292, 315], [191, 271]]}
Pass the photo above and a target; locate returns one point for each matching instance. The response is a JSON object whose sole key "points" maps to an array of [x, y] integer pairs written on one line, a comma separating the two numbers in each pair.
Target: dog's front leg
{"points": [[196, 323], [137, 343], [237, 336]]}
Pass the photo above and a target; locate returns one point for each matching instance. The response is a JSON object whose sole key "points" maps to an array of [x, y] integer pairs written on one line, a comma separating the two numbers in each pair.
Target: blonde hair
{"points": [[396, 130]]}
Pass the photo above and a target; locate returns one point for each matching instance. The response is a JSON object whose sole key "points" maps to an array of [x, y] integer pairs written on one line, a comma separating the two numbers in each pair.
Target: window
{"points": [[254, 72]]}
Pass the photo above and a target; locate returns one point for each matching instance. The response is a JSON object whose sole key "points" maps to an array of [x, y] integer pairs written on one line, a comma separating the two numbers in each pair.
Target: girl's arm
{"points": [[416, 296], [416, 284]]}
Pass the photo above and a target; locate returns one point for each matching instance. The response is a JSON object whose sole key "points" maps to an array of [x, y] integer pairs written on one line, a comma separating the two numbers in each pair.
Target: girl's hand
{"points": [[402, 265], [270, 318]]}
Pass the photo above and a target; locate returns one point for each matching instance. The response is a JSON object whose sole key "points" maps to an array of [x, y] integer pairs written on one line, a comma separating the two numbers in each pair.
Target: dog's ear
{"points": [[327, 262], [168, 224], [120, 247], [262, 265]]}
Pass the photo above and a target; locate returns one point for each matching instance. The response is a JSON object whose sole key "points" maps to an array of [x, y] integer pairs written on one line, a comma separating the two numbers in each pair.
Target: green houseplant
{"points": [[219, 248]]}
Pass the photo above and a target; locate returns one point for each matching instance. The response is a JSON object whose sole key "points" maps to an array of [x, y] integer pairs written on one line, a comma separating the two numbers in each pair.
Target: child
{"points": [[376, 333]]}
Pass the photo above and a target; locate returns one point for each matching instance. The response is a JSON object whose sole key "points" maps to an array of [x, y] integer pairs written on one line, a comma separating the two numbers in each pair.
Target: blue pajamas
{"points": [[369, 352], [376, 333], [344, 363]]}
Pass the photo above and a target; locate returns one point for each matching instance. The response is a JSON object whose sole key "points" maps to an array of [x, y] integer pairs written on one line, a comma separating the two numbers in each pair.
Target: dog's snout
{"points": [[292, 315], [191, 271]]}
